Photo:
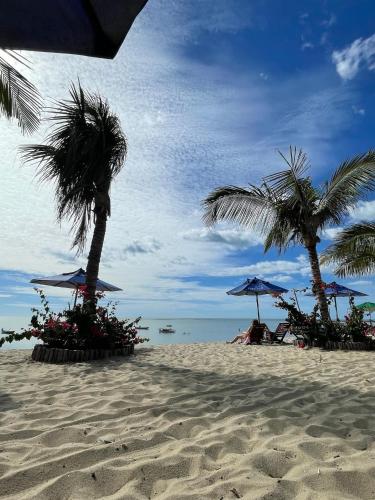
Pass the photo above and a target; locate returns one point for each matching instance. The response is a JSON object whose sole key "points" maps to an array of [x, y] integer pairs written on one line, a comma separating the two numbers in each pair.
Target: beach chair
{"points": [[301, 334], [279, 334]]}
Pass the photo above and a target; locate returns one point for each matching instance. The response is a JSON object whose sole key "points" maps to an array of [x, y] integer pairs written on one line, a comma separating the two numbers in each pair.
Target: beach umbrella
{"points": [[87, 27], [368, 307], [335, 290], [257, 287], [74, 280]]}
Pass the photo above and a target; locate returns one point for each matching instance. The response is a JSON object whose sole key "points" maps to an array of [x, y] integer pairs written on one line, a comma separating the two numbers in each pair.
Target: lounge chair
{"points": [[301, 333], [279, 334]]}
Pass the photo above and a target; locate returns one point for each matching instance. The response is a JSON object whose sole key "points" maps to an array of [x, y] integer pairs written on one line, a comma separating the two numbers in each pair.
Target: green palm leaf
{"points": [[290, 182], [253, 207], [19, 98], [351, 180], [353, 250]]}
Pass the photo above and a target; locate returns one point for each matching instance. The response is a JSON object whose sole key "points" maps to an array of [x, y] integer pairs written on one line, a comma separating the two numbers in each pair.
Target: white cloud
{"points": [[267, 268], [236, 238], [21, 305], [324, 38], [365, 210], [264, 76], [52, 291], [330, 21], [361, 283], [349, 61], [358, 111], [133, 248], [281, 278], [330, 233], [307, 45]]}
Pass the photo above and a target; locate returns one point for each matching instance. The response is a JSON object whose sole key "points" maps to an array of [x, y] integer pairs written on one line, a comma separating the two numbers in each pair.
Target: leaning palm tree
{"points": [[288, 209], [18, 97], [353, 250], [84, 152]]}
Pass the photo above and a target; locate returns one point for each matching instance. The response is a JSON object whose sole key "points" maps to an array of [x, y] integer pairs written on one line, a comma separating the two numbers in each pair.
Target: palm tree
{"points": [[84, 152], [18, 97], [353, 250], [287, 209]]}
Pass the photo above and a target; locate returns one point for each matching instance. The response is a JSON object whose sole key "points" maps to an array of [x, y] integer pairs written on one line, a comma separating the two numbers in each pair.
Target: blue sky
{"points": [[207, 91]]}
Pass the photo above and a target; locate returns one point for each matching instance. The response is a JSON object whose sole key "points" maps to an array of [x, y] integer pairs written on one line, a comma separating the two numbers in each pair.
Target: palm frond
{"points": [[279, 235], [353, 250], [282, 208], [253, 207], [84, 151], [356, 266], [290, 181], [351, 180], [19, 98]]}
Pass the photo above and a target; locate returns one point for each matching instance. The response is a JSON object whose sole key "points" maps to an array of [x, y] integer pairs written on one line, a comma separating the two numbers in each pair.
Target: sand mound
{"points": [[190, 422]]}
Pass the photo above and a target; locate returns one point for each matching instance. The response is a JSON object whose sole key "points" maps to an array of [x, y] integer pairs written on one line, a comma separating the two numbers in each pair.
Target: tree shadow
{"points": [[336, 409], [7, 403]]}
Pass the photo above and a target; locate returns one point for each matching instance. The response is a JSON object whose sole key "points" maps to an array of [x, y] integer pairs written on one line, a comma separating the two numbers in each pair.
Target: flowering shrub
{"points": [[309, 324], [354, 328], [81, 327]]}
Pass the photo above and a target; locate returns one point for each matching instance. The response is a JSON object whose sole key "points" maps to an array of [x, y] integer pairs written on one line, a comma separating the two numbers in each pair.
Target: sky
{"points": [[207, 93]]}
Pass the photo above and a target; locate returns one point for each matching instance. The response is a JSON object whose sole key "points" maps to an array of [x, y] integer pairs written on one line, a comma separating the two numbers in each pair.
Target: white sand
{"points": [[190, 422]]}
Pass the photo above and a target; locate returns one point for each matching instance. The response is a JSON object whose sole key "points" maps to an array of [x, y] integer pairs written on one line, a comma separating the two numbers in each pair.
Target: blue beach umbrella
{"points": [[335, 290], [87, 27], [74, 280], [257, 287]]}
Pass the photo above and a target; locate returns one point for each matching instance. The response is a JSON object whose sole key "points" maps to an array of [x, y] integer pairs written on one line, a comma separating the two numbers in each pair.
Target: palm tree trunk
{"points": [[95, 254], [317, 280]]}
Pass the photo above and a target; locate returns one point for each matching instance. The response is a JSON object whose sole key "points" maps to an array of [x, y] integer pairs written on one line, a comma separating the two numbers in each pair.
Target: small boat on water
{"points": [[167, 329], [142, 327], [7, 332]]}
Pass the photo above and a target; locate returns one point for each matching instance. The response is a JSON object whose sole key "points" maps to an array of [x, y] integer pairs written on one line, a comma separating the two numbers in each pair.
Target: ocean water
{"points": [[188, 331]]}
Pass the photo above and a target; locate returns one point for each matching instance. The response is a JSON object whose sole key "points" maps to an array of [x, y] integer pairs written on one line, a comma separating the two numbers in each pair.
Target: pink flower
{"points": [[51, 323]]}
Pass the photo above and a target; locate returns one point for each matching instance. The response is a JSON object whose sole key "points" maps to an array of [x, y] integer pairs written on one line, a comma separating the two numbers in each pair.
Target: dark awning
{"points": [[88, 27]]}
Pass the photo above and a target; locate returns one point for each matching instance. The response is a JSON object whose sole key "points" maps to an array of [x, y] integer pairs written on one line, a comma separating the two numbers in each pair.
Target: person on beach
{"points": [[253, 334]]}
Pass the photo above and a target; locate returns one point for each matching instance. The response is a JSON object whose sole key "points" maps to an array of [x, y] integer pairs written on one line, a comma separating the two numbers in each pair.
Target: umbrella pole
{"points": [[256, 296], [370, 319], [337, 314], [75, 297], [295, 296]]}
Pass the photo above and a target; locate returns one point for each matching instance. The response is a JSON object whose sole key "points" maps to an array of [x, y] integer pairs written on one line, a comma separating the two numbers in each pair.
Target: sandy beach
{"points": [[190, 422]]}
